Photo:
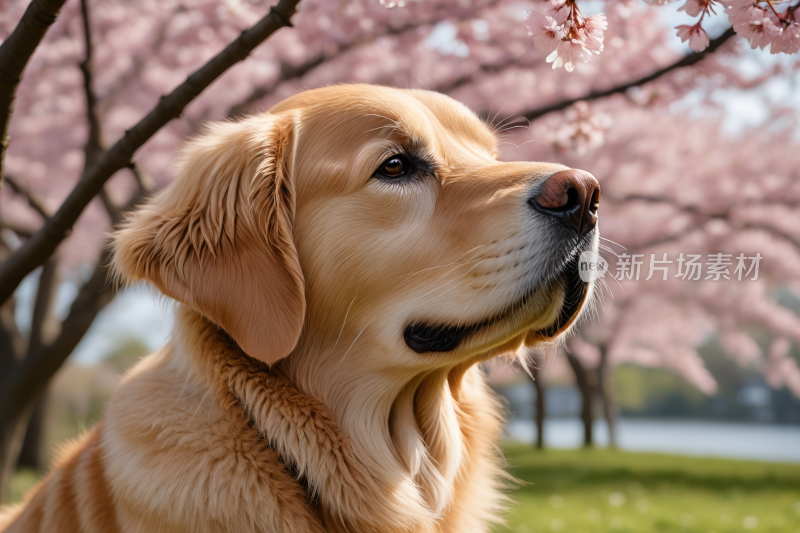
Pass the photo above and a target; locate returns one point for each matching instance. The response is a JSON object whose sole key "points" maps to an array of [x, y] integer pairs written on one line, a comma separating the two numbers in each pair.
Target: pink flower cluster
{"points": [[562, 30], [757, 21], [763, 26], [582, 130]]}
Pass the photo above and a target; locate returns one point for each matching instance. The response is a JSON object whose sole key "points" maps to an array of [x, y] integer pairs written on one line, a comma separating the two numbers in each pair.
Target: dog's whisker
{"points": [[344, 321], [351, 346], [464, 312], [612, 242], [509, 128], [447, 264], [461, 284], [508, 142], [438, 287], [486, 312], [526, 142], [618, 283], [494, 119]]}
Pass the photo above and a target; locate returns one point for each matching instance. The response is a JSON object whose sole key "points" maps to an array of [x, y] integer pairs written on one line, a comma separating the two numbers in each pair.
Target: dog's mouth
{"points": [[423, 337]]}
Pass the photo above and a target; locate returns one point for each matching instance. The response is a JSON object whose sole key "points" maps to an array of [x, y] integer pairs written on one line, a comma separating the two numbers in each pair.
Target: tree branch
{"points": [[14, 55], [42, 305], [21, 230], [687, 61], [452, 85], [144, 181], [292, 72], [41, 246], [34, 200], [12, 345], [95, 147], [22, 383]]}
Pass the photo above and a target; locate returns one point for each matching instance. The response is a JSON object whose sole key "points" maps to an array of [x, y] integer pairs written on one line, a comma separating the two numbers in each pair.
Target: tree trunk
{"points": [[605, 387], [584, 383], [11, 436], [43, 329], [539, 386], [30, 455]]}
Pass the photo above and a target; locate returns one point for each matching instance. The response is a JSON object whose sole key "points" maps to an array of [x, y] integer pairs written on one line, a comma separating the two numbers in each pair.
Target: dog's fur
{"points": [[287, 399]]}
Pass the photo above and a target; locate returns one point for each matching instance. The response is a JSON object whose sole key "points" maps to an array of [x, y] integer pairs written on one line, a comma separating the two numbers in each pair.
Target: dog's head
{"points": [[367, 215]]}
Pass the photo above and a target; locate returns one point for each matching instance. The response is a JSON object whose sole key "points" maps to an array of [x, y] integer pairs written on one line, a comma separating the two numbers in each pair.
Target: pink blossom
{"points": [[787, 41], [592, 32], [545, 31], [754, 24], [558, 9], [693, 8], [696, 35], [568, 54], [583, 129]]}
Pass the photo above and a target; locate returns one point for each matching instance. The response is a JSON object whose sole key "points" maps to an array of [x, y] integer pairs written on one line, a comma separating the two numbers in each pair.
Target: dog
{"points": [[342, 264]]}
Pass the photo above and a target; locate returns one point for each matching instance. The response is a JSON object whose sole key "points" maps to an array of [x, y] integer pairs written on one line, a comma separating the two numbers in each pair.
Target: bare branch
{"points": [[42, 305], [24, 383], [21, 230], [145, 181], [139, 62], [687, 61], [41, 246], [34, 200], [494, 68], [12, 345], [11, 342], [295, 72], [14, 55], [95, 148], [288, 72]]}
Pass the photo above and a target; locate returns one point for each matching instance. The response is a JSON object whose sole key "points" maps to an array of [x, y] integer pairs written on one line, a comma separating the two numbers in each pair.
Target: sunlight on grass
{"points": [[599, 490]]}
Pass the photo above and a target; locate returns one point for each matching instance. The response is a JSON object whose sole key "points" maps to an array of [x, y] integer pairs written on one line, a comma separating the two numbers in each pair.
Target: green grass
{"points": [[601, 490], [24, 479], [576, 491]]}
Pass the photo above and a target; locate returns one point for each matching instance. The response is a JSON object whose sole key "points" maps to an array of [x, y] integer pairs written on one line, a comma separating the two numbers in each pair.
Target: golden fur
{"points": [[286, 399]]}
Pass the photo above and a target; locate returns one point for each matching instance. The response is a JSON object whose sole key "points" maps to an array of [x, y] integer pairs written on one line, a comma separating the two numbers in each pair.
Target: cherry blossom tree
{"points": [[701, 195], [104, 65], [559, 27]]}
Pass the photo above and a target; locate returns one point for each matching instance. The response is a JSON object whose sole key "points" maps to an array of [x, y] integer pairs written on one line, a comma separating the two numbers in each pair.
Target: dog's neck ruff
{"points": [[304, 434]]}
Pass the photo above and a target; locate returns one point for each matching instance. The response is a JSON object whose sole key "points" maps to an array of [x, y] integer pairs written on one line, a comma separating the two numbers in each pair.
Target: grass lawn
{"points": [[600, 490], [24, 478]]}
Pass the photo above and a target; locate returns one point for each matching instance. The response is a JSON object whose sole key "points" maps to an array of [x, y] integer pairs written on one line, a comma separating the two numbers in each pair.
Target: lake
{"points": [[762, 442]]}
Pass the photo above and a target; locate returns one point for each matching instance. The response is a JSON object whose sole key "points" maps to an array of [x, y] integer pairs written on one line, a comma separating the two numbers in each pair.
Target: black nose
{"points": [[572, 196]]}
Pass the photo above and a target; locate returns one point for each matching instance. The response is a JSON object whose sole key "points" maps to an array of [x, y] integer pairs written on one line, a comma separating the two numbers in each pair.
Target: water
{"points": [[761, 442]]}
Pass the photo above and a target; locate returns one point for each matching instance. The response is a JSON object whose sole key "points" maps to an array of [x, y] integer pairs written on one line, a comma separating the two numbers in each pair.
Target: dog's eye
{"points": [[393, 168]]}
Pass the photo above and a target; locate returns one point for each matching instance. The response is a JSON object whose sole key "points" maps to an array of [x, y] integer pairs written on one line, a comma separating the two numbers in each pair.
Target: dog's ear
{"points": [[219, 238]]}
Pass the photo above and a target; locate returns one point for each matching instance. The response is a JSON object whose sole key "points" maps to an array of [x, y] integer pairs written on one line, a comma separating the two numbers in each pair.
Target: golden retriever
{"points": [[341, 264]]}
